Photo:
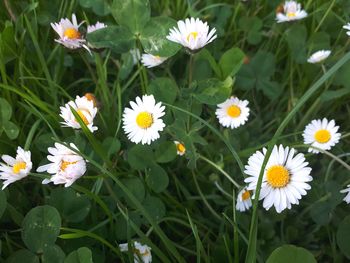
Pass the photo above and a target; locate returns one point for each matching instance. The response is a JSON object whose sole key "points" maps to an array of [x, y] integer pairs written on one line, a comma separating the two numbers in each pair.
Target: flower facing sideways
{"points": [[142, 122], [15, 169], [233, 112], [66, 165], [142, 253], [244, 201], [192, 33], [85, 108], [347, 192], [150, 61], [319, 56], [97, 26], [180, 148], [290, 11], [347, 27], [321, 134], [285, 178]]}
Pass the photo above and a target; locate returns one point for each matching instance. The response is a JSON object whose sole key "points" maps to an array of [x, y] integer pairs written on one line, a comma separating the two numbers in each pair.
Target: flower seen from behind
{"points": [[180, 148], [66, 165], [150, 61], [322, 134], [192, 33], [290, 11], [319, 56], [233, 112], [285, 178], [14, 169], [347, 192], [97, 26], [244, 201], [142, 253], [142, 122]]}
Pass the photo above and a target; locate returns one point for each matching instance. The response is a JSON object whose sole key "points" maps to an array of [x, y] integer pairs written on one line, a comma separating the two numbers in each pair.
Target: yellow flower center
{"points": [[246, 195], [277, 176], [233, 111], [181, 148], [322, 136], [193, 34], [291, 14], [18, 167], [65, 164], [144, 120], [82, 115], [71, 33]]}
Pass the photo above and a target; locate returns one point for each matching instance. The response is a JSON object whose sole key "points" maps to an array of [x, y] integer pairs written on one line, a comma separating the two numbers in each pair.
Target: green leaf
{"points": [[22, 256], [99, 7], [165, 152], [3, 202], [157, 178], [40, 228], [5, 111], [205, 54], [252, 26], [7, 43], [213, 91], [140, 157], [11, 130], [153, 37], [163, 89], [155, 207], [52, 254], [135, 186], [133, 14], [123, 230], [291, 254], [111, 145], [230, 62], [330, 95], [117, 38], [343, 237], [72, 206], [296, 38], [81, 255]]}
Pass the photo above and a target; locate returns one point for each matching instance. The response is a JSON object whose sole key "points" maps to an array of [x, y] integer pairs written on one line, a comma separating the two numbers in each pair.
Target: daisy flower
{"points": [[66, 165], [15, 169], [84, 106], [97, 26], [322, 134], [150, 61], [192, 33], [142, 253], [347, 27], [285, 179], [347, 191], [232, 112], [290, 11], [69, 35], [244, 201], [319, 56], [180, 148], [142, 123]]}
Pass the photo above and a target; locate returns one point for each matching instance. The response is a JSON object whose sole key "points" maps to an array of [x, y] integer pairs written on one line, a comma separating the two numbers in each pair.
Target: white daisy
{"points": [[321, 134], [284, 180], [86, 110], [290, 11], [319, 56], [180, 148], [347, 191], [142, 123], [66, 165], [15, 169], [347, 27], [244, 201], [142, 253], [69, 34], [151, 61], [232, 112], [192, 33], [97, 26]]}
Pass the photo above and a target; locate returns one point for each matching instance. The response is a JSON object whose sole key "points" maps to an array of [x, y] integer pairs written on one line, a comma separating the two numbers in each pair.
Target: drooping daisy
{"points": [[142, 253], [15, 169], [244, 201], [97, 26], [192, 33], [319, 56], [347, 27], [66, 165], [86, 110], [232, 112], [69, 34], [291, 11], [142, 123], [285, 179], [347, 191], [180, 148], [321, 134], [150, 61]]}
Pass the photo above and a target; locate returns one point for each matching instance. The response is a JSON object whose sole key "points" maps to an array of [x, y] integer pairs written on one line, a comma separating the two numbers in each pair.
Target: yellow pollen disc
{"points": [[291, 15], [194, 35], [82, 116], [181, 148], [65, 164], [277, 176], [18, 167], [71, 33], [246, 195], [233, 111], [144, 120], [322, 136]]}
